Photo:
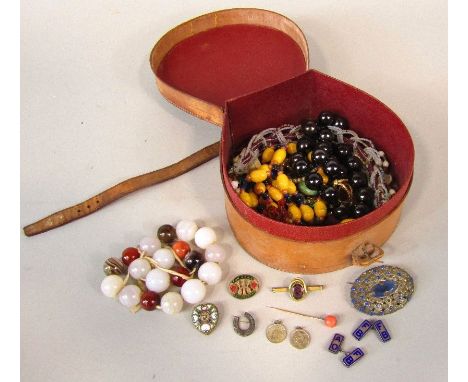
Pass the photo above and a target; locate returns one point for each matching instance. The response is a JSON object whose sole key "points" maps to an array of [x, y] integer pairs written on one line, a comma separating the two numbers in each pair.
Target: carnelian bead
{"points": [[181, 248], [177, 280], [130, 254], [330, 321], [149, 300]]}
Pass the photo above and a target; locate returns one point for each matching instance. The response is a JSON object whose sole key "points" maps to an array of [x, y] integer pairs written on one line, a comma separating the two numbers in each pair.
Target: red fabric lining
{"points": [[231, 61], [307, 95]]}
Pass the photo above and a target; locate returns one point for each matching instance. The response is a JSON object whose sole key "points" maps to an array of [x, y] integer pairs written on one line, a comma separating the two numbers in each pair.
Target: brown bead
{"points": [[114, 266], [167, 234]]}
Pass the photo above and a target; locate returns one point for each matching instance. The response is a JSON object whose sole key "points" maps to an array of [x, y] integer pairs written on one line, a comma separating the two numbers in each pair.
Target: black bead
{"points": [[295, 158], [314, 181], [341, 212], [300, 168], [341, 172], [288, 198], [304, 145], [320, 157], [264, 196], [310, 128], [354, 163], [326, 118], [276, 167], [332, 167], [360, 209], [193, 260], [341, 122], [327, 147], [260, 208], [358, 180], [326, 135], [298, 199], [249, 186], [366, 195], [330, 194], [274, 173], [344, 151]]}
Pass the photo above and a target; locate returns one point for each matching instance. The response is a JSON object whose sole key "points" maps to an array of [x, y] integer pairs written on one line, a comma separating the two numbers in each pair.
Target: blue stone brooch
{"points": [[382, 290]]}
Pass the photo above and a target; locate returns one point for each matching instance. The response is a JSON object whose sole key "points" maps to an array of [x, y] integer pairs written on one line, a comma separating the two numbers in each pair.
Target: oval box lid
{"points": [[204, 62]]}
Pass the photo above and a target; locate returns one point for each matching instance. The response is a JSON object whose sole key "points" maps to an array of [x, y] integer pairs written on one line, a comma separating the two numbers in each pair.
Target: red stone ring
{"points": [[298, 289]]}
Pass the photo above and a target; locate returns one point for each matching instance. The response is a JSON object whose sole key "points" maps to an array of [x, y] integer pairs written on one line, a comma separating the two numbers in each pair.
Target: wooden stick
{"points": [[120, 190]]}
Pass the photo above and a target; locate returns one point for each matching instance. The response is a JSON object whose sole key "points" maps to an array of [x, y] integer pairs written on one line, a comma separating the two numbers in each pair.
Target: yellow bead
{"points": [[291, 148], [291, 187], [275, 194], [259, 188], [246, 198], [294, 212], [279, 156], [253, 199], [320, 208], [307, 213], [346, 220], [309, 156], [265, 167], [282, 182], [267, 154], [323, 175], [258, 176]]}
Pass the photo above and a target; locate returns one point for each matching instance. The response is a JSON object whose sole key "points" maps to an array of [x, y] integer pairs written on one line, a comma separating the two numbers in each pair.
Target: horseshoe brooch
{"points": [[244, 332]]}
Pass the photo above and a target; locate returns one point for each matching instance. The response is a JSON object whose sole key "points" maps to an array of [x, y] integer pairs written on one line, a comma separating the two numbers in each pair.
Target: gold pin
{"points": [[329, 320], [297, 289]]}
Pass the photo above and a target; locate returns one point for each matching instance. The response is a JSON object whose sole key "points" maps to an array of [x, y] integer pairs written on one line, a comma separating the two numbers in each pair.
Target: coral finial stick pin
{"points": [[329, 320]]}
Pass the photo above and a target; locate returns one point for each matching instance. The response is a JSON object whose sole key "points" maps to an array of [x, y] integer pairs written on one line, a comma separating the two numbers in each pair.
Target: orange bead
{"points": [[181, 248], [330, 321]]}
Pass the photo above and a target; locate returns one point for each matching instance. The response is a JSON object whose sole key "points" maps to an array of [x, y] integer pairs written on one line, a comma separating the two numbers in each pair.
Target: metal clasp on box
{"points": [[366, 254]]}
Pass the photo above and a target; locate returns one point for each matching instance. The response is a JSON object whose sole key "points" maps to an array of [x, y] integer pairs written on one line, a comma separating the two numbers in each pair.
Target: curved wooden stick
{"points": [[124, 188]]}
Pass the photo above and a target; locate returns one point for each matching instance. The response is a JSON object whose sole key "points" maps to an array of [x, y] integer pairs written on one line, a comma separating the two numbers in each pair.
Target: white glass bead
{"points": [[215, 253], [139, 268], [130, 295], [193, 291], [164, 257], [171, 303], [157, 280], [111, 285], [149, 245], [186, 230], [204, 237], [210, 273]]}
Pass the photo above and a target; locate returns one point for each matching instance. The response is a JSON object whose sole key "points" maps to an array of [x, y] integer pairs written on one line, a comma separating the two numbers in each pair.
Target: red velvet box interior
{"points": [[307, 95], [231, 61]]}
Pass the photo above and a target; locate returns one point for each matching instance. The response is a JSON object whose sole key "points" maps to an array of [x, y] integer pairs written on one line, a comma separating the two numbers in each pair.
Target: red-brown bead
{"points": [[149, 300], [177, 280], [130, 254]]}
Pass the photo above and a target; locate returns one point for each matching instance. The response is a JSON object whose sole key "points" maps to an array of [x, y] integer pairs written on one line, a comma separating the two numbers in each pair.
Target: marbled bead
{"points": [[129, 296], [172, 303], [186, 229], [139, 268], [215, 252], [149, 245], [114, 266]]}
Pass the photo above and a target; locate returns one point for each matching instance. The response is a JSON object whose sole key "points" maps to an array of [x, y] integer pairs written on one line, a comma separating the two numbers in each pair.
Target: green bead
{"points": [[306, 190]]}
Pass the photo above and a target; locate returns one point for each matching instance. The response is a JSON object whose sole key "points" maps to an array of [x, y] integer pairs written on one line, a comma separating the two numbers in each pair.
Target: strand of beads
{"points": [[159, 263]]}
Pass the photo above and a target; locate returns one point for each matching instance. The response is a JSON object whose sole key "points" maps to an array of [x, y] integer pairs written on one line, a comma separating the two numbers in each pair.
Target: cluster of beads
{"points": [[312, 179], [157, 263]]}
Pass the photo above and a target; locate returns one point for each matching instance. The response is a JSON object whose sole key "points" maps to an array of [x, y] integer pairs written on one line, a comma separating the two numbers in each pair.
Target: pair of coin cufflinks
{"points": [[277, 332]]}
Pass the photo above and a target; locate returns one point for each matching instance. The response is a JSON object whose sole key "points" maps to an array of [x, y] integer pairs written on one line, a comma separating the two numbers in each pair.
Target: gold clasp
{"points": [[366, 254]]}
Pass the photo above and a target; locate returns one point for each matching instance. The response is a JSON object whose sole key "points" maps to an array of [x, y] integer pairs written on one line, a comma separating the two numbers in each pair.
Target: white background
{"points": [[92, 116]]}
